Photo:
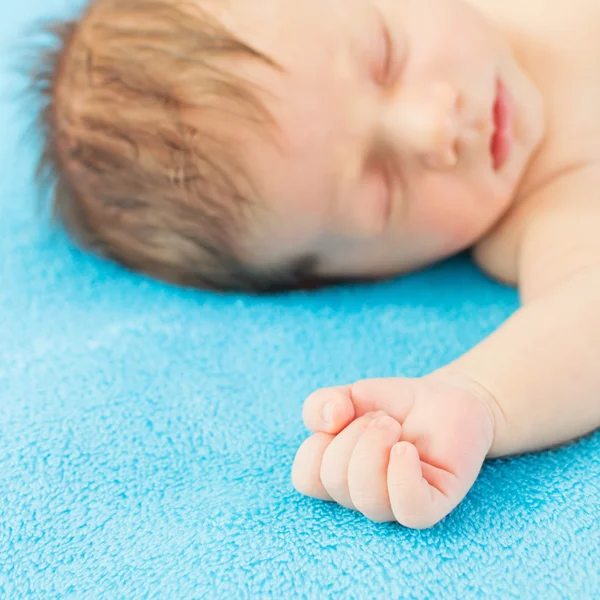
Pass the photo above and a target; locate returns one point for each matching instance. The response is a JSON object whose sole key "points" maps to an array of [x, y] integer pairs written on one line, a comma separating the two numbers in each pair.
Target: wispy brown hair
{"points": [[132, 177]]}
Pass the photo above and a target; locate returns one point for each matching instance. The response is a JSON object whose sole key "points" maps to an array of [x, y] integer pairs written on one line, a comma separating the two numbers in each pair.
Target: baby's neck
{"points": [[516, 15], [521, 20]]}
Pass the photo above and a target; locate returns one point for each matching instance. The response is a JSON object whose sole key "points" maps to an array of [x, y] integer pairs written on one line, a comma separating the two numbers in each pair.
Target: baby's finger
{"points": [[306, 471], [334, 468], [415, 503], [367, 472], [328, 409], [395, 396]]}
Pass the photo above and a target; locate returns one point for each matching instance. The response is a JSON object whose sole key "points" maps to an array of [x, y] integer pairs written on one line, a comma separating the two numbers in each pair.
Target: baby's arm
{"points": [[410, 449], [542, 367]]}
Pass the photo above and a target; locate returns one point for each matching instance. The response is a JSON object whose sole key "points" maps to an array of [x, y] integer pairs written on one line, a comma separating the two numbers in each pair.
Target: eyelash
{"points": [[389, 190], [386, 76], [383, 181]]}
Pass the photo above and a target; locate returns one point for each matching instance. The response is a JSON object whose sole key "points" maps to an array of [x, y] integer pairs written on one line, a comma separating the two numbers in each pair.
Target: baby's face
{"points": [[403, 129]]}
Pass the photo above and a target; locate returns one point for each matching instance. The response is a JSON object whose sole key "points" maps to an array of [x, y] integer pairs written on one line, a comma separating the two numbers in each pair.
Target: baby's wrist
{"points": [[459, 378]]}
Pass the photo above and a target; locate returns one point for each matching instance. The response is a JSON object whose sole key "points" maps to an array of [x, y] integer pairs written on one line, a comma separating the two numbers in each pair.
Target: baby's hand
{"points": [[405, 450]]}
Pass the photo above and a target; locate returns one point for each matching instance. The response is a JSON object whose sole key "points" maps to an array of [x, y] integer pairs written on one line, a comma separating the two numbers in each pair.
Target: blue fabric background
{"points": [[147, 433]]}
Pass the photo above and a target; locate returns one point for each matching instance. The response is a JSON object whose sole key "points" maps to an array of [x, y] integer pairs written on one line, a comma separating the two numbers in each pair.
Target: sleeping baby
{"points": [[273, 144]]}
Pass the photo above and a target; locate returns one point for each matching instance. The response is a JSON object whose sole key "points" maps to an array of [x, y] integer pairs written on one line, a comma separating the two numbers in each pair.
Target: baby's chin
{"points": [[465, 228]]}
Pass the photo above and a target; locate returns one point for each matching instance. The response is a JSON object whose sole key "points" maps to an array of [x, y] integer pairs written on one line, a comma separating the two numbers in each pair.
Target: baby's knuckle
{"points": [[415, 519], [362, 388], [308, 487], [334, 482], [412, 517], [302, 483], [367, 504]]}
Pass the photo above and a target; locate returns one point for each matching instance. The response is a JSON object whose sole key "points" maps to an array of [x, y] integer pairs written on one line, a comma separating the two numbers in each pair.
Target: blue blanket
{"points": [[147, 433]]}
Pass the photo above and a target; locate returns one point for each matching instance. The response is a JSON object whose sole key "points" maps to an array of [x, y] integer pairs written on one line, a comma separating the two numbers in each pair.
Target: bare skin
{"points": [[385, 165]]}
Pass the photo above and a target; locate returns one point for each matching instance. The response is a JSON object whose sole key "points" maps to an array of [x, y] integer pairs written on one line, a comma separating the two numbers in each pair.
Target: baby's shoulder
{"points": [[561, 216]]}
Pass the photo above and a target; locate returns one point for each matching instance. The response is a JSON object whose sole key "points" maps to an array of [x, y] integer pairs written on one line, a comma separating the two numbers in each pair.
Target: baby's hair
{"points": [[133, 178]]}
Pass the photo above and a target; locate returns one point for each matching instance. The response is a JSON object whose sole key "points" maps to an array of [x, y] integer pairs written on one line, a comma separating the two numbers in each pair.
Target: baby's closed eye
{"points": [[389, 58], [376, 191]]}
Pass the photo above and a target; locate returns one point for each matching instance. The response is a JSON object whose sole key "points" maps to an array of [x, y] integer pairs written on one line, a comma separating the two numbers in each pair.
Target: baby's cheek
{"points": [[453, 215], [361, 214]]}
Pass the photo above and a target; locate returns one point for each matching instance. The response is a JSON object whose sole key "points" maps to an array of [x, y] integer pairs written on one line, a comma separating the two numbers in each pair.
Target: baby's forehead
{"points": [[295, 165], [287, 30]]}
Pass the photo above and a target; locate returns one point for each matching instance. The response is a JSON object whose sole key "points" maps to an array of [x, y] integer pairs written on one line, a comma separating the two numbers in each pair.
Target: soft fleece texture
{"points": [[147, 433]]}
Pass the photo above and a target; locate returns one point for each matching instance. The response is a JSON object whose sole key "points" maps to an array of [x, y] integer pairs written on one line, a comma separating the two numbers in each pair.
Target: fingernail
{"points": [[399, 449], [328, 412], [383, 422]]}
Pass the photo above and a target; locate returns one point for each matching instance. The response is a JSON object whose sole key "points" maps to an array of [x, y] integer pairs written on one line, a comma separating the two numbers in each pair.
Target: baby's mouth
{"points": [[502, 141]]}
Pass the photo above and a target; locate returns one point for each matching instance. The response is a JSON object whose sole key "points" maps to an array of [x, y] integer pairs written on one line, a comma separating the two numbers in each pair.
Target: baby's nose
{"points": [[423, 123]]}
